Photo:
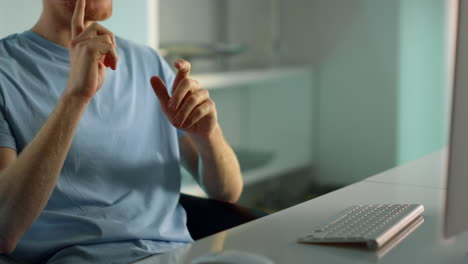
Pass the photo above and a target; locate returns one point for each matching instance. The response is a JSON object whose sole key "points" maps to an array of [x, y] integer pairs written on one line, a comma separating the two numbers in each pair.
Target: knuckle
{"points": [[185, 82], [176, 98], [108, 39], [80, 45], [109, 47], [205, 92], [88, 45], [198, 111], [192, 99]]}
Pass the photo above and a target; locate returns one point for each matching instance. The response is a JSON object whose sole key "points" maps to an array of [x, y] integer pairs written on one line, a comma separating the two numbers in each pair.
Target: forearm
{"points": [[220, 174], [26, 185], [191, 109]]}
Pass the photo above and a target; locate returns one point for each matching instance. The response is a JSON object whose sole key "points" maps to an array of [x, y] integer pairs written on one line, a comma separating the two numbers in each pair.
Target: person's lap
{"points": [[112, 252]]}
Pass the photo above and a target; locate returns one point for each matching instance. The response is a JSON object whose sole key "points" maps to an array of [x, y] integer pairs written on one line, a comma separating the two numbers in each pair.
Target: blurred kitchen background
{"points": [[312, 94]]}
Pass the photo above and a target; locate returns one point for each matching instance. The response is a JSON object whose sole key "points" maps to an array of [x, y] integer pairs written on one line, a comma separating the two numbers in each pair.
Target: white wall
{"points": [[130, 20], [203, 21], [17, 16], [251, 23], [182, 20], [189, 22]]}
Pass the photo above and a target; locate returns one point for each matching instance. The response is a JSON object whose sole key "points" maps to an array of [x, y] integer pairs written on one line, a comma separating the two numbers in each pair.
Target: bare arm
{"points": [[191, 109], [28, 180], [220, 173]]}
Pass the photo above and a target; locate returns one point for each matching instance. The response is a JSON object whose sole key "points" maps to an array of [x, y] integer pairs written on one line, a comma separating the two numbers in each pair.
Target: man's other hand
{"points": [[190, 108]]}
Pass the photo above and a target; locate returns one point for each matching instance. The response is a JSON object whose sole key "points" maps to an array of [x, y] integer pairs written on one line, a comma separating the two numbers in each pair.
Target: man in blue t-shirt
{"points": [[89, 156]]}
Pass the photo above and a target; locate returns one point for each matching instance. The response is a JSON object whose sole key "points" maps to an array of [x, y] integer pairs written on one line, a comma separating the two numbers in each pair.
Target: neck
{"points": [[55, 30]]}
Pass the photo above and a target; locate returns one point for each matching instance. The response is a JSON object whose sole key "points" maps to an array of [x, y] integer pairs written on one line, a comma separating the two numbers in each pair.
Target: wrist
{"points": [[215, 134], [77, 92], [205, 143], [74, 101]]}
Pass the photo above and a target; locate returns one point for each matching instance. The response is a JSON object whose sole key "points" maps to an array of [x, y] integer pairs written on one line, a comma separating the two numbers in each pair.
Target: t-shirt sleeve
{"points": [[7, 140], [168, 76]]}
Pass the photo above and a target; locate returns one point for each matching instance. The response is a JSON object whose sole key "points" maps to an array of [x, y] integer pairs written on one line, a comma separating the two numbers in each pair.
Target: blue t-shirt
{"points": [[116, 199]]}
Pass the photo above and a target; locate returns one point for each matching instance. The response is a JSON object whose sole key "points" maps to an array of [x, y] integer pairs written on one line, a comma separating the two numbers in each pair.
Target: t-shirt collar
{"points": [[47, 44]]}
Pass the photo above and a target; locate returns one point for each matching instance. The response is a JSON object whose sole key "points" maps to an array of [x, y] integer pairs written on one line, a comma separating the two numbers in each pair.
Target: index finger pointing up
{"points": [[183, 72], [77, 22]]}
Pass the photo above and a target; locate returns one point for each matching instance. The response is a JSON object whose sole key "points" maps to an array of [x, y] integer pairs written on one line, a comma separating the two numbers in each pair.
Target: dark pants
{"points": [[207, 216]]}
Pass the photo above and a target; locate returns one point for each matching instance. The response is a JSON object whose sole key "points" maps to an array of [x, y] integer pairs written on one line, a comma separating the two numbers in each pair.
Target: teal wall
{"points": [[422, 86]]}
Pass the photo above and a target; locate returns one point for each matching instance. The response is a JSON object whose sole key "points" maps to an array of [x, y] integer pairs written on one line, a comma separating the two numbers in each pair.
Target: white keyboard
{"points": [[373, 224]]}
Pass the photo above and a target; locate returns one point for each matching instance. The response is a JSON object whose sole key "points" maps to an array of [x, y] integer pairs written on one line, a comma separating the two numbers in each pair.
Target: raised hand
{"points": [[92, 50], [190, 108]]}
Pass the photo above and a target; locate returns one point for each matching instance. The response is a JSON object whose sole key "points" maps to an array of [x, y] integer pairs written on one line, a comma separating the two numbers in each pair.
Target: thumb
{"points": [[161, 91]]}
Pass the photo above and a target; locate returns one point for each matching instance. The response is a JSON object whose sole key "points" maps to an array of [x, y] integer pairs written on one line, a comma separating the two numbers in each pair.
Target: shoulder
{"points": [[10, 39], [10, 45], [8, 51], [11, 50], [138, 55], [7, 47]]}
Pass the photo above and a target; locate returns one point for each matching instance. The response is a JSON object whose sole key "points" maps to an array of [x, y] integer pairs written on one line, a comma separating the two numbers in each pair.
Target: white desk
{"points": [[275, 236], [427, 171]]}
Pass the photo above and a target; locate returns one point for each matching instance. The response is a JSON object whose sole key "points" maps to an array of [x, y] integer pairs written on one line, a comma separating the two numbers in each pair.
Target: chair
{"points": [[208, 216], [204, 218]]}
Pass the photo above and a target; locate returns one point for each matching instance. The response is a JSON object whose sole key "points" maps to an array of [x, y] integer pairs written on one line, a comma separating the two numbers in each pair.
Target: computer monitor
{"points": [[456, 202]]}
